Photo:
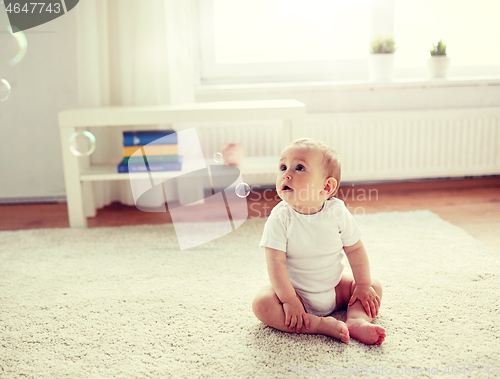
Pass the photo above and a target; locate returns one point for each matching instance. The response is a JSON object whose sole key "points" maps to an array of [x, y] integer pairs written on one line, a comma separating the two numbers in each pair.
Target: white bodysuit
{"points": [[314, 249]]}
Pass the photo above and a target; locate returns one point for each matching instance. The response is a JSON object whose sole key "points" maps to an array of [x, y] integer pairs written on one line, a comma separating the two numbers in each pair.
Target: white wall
{"points": [[43, 84]]}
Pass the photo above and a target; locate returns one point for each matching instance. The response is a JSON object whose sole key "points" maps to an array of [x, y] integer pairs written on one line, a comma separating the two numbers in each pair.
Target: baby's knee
{"points": [[262, 301], [257, 305]]}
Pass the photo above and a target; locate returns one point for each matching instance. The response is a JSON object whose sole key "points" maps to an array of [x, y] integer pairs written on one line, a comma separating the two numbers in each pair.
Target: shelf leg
{"points": [[74, 198], [88, 199]]}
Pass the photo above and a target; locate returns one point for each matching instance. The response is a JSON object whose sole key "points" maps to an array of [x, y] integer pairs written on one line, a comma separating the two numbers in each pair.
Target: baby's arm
{"points": [[278, 274], [364, 292]]}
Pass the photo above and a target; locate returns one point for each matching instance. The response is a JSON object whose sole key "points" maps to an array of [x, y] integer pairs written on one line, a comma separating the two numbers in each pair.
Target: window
{"points": [[293, 40], [283, 39], [469, 29]]}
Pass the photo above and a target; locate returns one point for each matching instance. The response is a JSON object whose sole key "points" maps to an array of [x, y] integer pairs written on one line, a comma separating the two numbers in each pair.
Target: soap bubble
{"points": [[242, 190], [82, 144], [23, 45], [218, 158], [4, 89], [13, 46]]}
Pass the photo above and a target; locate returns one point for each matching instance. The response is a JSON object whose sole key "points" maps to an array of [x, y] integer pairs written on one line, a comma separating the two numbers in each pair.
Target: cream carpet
{"points": [[127, 303]]}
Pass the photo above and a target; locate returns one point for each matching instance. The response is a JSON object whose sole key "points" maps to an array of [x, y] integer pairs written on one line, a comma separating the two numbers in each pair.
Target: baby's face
{"points": [[301, 179]]}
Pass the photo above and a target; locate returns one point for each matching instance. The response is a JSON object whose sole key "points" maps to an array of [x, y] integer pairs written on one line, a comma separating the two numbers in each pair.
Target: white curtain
{"points": [[131, 52]]}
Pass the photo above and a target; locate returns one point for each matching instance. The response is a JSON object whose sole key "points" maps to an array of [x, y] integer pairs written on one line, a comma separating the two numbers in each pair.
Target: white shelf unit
{"points": [[79, 173]]}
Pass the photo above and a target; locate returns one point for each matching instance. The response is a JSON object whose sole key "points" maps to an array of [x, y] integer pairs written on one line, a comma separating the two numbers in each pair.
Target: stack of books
{"points": [[160, 154]]}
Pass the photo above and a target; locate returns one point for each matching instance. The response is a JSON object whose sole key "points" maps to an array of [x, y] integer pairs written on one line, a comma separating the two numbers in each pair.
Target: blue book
{"points": [[153, 137], [150, 167]]}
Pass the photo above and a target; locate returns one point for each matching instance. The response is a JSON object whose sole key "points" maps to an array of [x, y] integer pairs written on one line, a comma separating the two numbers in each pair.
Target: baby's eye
{"points": [[300, 168], [282, 167]]}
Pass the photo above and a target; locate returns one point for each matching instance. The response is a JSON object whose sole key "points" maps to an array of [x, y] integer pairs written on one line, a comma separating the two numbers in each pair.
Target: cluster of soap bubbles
{"points": [[13, 49], [242, 189], [81, 143]]}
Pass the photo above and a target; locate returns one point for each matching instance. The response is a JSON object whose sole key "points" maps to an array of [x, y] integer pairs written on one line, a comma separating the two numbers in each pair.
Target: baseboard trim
{"points": [[33, 200]]}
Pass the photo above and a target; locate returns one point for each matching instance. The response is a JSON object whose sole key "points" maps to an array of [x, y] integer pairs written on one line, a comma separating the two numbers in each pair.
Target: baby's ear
{"points": [[330, 186]]}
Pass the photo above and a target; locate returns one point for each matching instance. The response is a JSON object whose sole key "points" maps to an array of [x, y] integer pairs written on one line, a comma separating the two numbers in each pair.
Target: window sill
{"points": [[408, 83]]}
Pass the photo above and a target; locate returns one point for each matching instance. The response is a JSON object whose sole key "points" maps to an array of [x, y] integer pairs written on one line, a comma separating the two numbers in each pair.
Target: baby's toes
{"points": [[343, 332], [336, 329], [366, 332], [381, 335]]}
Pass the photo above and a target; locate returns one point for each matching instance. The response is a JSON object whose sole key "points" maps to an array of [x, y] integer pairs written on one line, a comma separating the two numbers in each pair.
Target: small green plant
{"points": [[382, 45], [439, 49]]}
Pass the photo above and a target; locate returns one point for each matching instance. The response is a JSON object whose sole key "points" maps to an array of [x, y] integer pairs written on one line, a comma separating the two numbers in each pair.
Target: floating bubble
{"points": [[242, 190], [4, 89], [22, 43], [218, 158], [82, 144], [13, 46]]}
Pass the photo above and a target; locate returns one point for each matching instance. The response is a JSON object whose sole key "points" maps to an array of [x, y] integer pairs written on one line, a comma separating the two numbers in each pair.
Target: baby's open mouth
{"points": [[286, 188]]}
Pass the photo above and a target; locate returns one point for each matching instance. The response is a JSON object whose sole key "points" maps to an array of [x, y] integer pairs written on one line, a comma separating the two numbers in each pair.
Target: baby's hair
{"points": [[331, 160]]}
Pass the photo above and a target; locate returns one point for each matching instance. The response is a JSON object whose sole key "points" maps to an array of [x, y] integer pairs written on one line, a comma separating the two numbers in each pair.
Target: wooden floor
{"points": [[472, 204]]}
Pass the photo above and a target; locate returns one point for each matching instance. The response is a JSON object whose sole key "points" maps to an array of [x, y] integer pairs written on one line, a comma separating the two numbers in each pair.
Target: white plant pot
{"points": [[381, 67], [438, 66]]}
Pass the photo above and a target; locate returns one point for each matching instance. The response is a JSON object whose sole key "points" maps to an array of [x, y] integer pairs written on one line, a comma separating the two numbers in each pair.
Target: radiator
{"points": [[381, 146]]}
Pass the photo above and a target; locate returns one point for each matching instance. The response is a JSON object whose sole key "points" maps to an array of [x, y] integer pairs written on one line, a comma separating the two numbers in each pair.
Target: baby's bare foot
{"points": [[365, 332], [335, 328]]}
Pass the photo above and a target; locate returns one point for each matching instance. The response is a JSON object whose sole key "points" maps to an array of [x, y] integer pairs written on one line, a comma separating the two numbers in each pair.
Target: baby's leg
{"points": [[358, 322], [268, 309]]}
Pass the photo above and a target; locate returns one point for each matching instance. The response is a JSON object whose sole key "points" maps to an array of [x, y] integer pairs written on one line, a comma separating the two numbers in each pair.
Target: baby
{"points": [[304, 238]]}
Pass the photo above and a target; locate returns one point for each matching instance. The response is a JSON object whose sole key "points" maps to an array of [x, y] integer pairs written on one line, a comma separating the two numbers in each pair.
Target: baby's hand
{"points": [[295, 315], [368, 298]]}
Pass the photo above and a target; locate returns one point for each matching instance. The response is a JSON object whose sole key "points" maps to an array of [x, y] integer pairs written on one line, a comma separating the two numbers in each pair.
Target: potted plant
{"points": [[381, 59], [438, 64]]}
